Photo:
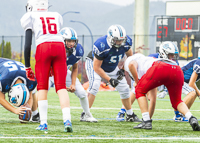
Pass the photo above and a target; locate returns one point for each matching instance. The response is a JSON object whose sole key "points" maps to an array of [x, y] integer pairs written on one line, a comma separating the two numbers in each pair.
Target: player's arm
{"points": [[129, 53], [74, 76], [133, 69], [192, 83], [30, 101], [97, 68], [27, 47], [9, 107]]}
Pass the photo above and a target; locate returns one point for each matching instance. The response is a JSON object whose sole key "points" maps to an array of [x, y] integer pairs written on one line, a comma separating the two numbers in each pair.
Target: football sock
{"points": [[129, 112], [145, 116], [123, 110], [176, 112], [34, 112], [43, 106], [66, 114], [85, 104], [188, 115]]}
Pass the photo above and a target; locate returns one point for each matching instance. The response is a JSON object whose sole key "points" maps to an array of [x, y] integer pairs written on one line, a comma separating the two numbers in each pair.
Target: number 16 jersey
{"points": [[45, 26]]}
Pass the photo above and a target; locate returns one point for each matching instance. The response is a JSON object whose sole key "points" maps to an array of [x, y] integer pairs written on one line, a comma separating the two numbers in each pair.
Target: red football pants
{"points": [[162, 74], [51, 54]]}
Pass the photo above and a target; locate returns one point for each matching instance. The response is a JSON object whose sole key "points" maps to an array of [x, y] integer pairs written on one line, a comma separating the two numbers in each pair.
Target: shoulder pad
{"points": [[26, 21], [79, 50], [129, 41]]}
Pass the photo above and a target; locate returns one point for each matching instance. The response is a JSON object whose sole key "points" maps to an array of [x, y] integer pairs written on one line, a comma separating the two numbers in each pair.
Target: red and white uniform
{"points": [[155, 72], [50, 47]]}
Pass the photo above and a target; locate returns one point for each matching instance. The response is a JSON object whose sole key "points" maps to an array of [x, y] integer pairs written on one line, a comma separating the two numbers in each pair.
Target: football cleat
{"points": [[90, 118], [132, 118], [144, 125], [194, 123], [87, 118], [42, 127], [36, 118], [120, 117], [68, 126], [180, 118]]}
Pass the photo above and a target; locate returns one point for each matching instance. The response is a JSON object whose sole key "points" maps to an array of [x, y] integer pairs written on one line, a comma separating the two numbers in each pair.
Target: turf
{"points": [[105, 109]]}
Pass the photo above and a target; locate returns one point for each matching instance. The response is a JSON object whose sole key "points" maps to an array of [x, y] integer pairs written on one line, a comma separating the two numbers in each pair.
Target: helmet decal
{"points": [[73, 34], [111, 33], [120, 31]]}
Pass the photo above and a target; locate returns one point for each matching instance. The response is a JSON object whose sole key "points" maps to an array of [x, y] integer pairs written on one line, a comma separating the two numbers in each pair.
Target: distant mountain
{"points": [[97, 15]]}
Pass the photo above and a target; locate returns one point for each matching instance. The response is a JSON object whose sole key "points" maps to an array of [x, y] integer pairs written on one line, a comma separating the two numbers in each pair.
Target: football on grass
{"points": [[27, 116]]}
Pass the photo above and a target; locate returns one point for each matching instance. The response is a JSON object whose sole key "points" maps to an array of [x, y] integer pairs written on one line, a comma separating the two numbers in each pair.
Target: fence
{"points": [[187, 44]]}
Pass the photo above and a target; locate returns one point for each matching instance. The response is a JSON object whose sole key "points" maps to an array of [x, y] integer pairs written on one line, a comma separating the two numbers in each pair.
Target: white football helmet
{"points": [[116, 33], [37, 5], [18, 94], [69, 33], [167, 48]]}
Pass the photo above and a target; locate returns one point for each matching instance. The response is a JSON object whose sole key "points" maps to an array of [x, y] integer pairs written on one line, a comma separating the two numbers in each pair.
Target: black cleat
{"points": [[82, 119], [144, 125], [132, 118], [194, 123], [36, 118]]}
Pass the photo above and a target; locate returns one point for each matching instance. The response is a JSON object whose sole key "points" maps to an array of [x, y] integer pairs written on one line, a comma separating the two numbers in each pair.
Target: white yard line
{"points": [[101, 108], [103, 138]]}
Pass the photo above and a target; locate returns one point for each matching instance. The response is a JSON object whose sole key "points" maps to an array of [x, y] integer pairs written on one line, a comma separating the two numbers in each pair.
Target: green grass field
{"points": [[105, 109]]}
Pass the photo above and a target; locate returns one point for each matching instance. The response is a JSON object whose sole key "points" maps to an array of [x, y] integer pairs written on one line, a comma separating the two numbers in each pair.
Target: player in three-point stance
{"points": [[148, 70], [50, 52], [74, 53], [12, 80], [103, 61]]}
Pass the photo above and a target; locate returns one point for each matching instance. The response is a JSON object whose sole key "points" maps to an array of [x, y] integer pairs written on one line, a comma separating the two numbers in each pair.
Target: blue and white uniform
{"points": [[110, 57], [71, 60], [10, 71]]}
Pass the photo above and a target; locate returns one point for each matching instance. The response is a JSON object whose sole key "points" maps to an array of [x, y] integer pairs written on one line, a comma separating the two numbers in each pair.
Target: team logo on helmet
{"points": [[111, 33]]}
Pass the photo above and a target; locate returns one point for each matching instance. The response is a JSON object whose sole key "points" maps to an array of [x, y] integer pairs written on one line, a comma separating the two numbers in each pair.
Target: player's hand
{"points": [[20, 110], [120, 74], [113, 82], [72, 88], [162, 94], [30, 74]]}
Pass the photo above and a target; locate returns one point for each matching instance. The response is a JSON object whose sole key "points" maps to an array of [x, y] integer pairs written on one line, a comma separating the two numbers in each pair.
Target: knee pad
{"points": [[80, 93], [124, 92], [94, 87]]}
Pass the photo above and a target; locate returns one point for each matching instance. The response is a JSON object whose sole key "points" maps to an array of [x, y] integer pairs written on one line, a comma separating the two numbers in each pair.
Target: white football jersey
{"points": [[45, 26], [144, 63]]}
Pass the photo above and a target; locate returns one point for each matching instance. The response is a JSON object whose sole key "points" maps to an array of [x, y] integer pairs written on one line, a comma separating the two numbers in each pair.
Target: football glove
{"points": [[30, 74], [114, 82], [162, 94], [120, 74]]}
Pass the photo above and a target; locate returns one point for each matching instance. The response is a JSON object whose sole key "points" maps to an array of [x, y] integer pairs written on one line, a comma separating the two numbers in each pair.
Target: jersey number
{"points": [[52, 28], [12, 66], [113, 59]]}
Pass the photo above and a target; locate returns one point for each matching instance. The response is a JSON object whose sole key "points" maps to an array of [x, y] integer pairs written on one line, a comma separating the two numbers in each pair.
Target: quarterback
{"points": [[50, 52]]}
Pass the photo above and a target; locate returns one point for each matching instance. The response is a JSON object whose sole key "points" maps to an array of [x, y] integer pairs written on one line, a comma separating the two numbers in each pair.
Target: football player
{"points": [[167, 50], [148, 70], [12, 79], [50, 52], [74, 53], [102, 62]]}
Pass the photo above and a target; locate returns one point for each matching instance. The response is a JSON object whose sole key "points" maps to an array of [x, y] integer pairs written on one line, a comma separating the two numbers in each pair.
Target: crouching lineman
{"points": [[74, 53], [148, 70], [103, 61], [189, 88], [12, 79]]}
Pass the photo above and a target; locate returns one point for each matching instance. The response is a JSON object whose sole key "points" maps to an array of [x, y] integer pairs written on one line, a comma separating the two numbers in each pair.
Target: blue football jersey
{"points": [[10, 71], [188, 69], [110, 55], [75, 56]]}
